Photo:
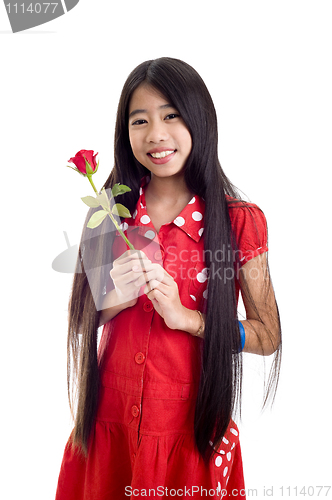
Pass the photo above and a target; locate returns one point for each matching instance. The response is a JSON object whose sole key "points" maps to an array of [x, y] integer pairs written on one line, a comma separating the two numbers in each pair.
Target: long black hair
{"points": [[221, 375]]}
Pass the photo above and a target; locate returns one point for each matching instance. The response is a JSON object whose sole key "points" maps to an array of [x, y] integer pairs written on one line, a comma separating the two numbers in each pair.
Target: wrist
{"points": [[193, 321], [118, 300]]}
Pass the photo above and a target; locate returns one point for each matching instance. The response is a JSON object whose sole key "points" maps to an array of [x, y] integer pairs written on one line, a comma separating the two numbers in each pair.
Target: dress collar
{"points": [[190, 220]]}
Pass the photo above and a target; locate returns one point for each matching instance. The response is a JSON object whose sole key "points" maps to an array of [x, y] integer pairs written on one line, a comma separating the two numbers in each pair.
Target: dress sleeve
{"points": [[250, 230]]}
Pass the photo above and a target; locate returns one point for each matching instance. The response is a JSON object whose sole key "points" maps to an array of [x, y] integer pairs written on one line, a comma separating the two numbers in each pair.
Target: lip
{"points": [[161, 161], [159, 150]]}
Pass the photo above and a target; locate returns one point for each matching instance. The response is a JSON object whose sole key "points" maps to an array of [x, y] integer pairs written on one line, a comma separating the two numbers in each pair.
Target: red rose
{"points": [[79, 160]]}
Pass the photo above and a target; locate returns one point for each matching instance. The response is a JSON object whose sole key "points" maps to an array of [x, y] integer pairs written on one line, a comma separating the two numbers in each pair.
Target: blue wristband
{"points": [[243, 336]]}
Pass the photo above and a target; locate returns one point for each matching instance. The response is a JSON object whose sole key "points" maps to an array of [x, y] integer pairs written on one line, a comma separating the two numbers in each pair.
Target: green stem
{"points": [[111, 216], [130, 246], [121, 232], [92, 184]]}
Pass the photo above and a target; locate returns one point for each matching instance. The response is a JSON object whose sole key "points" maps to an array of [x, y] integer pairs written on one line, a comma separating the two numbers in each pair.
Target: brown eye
{"points": [[171, 116], [139, 122]]}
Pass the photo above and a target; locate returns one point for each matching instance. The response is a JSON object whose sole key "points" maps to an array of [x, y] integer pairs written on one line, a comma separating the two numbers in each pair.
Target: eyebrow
{"points": [[139, 111]]}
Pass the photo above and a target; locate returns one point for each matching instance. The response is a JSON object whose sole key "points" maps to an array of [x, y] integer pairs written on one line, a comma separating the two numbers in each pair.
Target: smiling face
{"points": [[159, 138]]}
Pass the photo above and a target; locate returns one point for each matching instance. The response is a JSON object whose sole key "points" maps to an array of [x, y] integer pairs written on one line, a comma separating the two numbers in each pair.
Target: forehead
{"points": [[145, 97]]}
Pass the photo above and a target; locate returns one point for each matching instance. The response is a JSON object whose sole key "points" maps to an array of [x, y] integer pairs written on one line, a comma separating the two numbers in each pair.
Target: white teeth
{"points": [[162, 154]]}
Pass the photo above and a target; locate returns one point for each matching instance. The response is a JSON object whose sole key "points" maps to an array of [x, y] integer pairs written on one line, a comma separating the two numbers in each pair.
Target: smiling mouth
{"points": [[162, 154]]}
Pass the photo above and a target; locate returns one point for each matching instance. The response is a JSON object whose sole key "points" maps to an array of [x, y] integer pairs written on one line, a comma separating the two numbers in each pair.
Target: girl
{"points": [[154, 410]]}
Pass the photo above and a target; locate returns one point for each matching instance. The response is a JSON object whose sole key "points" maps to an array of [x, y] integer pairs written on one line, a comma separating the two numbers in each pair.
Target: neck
{"points": [[170, 190]]}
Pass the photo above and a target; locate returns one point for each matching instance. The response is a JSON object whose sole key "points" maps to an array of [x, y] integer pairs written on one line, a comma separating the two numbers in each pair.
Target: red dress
{"points": [[143, 441]]}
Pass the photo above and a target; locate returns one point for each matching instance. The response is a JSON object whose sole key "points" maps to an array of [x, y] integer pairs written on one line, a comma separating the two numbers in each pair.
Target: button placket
{"points": [[139, 358]]}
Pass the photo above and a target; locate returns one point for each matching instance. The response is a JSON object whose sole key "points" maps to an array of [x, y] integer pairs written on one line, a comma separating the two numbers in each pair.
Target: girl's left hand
{"points": [[163, 292]]}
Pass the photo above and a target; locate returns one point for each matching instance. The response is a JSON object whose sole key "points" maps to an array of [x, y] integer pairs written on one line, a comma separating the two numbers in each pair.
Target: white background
{"points": [[268, 68]]}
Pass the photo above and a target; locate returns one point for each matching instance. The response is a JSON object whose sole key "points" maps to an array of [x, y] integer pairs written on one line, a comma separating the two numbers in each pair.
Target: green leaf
{"points": [[76, 170], [97, 218], [103, 200], [118, 189], [91, 201], [88, 168], [120, 210]]}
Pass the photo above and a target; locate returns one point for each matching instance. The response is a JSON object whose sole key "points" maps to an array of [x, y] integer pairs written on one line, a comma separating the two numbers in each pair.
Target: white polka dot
{"points": [[222, 452], [218, 461], [150, 234], [233, 446], [225, 440], [142, 206], [233, 431], [134, 214], [227, 480], [124, 226], [197, 216], [140, 191], [219, 487], [193, 199], [200, 231], [225, 471], [202, 276], [229, 456], [193, 297], [179, 221], [205, 294], [145, 219]]}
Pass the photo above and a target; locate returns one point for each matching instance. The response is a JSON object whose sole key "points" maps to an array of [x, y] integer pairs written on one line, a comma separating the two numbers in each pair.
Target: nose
{"points": [[157, 132]]}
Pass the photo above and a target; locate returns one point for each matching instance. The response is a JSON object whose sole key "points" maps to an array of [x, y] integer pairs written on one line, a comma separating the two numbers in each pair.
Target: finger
{"points": [[156, 273], [159, 273], [142, 265], [156, 285], [129, 278], [148, 276], [163, 275], [156, 295], [131, 254], [121, 267], [120, 280]]}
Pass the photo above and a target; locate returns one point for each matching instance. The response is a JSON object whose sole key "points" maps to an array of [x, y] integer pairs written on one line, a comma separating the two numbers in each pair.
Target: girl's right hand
{"points": [[124, 278]]}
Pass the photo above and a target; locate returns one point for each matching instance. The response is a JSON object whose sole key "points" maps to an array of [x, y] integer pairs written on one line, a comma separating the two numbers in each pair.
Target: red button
{"points": [[139, 358], [147, 306], [158, 255], [134, 411]]}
